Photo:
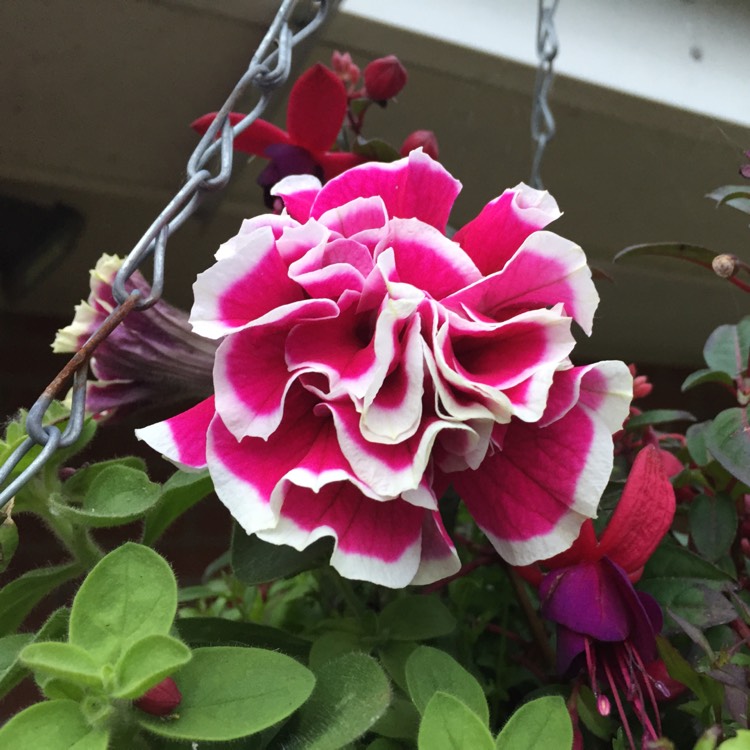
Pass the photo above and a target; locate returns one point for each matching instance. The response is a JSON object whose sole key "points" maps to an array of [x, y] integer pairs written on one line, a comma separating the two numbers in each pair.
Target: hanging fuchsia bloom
{"points": [[151, 359], [602, 621], [366, 358], [316, 111]]}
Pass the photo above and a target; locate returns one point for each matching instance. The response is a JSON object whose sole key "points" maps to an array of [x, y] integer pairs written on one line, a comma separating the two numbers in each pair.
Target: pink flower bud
{"points": [[161, 700], [384, 78], [424, 138], [345, 69]]}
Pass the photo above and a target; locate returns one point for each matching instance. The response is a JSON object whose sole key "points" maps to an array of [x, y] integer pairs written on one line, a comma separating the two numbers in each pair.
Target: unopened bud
{"points": [[161, 700], [603, 705], [384, 78], [344, 67], [421, 138], [725, 265]]}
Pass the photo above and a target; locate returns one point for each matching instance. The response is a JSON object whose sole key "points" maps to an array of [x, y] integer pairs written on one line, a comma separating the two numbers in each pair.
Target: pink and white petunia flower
{"points": [[365, 359]]}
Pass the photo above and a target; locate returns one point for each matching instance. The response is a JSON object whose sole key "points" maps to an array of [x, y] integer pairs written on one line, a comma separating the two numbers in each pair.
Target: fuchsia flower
{"points": [[365, 358], [151, 359], [385, 78], [315, 114], [602, 621]]}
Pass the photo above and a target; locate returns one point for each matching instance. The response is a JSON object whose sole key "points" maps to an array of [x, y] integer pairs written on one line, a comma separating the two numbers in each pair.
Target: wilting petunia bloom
{"points": [[366, 359], [603, 623], [316, 111], [151, 359]]}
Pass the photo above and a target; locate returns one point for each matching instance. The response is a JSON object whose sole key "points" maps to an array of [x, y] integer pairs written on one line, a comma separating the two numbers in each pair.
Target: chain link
{"points": [[542, 121], [268, 69]]}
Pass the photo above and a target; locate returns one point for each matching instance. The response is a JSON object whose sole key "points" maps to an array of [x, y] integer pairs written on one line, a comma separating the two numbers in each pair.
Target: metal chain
{"points": [[542, 121], [268, 69]]}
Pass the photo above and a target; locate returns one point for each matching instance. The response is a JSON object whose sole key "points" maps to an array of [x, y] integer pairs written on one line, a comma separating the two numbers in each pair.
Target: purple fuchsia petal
{"points": [[531, 495], [545, 271], [182, 438], [426, 258], [414, 187], [587, 599], [570, 646], [255, 139], [503, 225], [317, 105]]}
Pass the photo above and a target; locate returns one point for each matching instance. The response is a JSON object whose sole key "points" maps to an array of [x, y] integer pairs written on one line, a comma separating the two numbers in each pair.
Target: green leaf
{"points": [[393, 656], [180, 493], [696, 443], [375, 149], [211, 631], [255, 561], [670, 560], [78, 485], [331, 645], [706, 376], [52, 725], [429, 670], [400, 721], [447, 724], [692, 253], [117, 495], [63, 660], [740, 742], [736, 196], [727, 348], [11, 669], [8, 536], [146, 663], [232, 692], [544, 722], [351, 694], [383, 744], [415, 618], [728, 440], [130, 593], [20, 596], [713, 524], [658, 416]]}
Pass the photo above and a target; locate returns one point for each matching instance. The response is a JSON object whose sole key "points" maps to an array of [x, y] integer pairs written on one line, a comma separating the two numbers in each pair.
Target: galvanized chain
{"points": [[268, 69], [542, 121]]}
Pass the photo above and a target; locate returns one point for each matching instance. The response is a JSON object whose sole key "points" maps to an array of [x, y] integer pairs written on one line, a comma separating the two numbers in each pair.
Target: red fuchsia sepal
{"points": [[160, 700]]}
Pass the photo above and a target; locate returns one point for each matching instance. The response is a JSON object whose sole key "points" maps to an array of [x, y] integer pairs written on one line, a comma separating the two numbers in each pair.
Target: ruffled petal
{"points": [[415, 187], [493, 237], [255, 139], [642, 516], [359, 215], [531, 496], [545, 271], [242, 287], [298, 191], [317, 105], [182, 438]]}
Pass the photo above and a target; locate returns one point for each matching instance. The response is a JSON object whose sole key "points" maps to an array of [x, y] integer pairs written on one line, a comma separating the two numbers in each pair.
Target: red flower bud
{"points": [[345, 69], [384, 78], [424, 138], [161, 700]]}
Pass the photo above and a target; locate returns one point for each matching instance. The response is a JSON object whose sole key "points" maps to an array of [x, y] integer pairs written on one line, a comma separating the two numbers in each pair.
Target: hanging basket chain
{"points": [[268, 70], [542, 121]]}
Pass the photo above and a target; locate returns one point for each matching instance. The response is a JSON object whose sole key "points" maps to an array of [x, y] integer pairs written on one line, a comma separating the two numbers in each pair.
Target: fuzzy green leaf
{"points": [[415, 617], [78, 485], [429, 670], [63, 660], [351, 694], [129, 594], [448, 724], [233, 692], [180, 493], [20, 596], [146, 663], [544, 722], [52, 725]]}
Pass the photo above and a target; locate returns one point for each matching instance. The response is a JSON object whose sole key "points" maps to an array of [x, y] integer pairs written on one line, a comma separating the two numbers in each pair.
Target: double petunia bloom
{"points": [[365, 360]]}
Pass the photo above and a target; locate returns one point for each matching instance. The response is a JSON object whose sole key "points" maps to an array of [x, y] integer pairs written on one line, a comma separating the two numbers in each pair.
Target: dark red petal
{"points": [[643, 515], [254, 140], [317, 105], [584, 548], [336, 162]]}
